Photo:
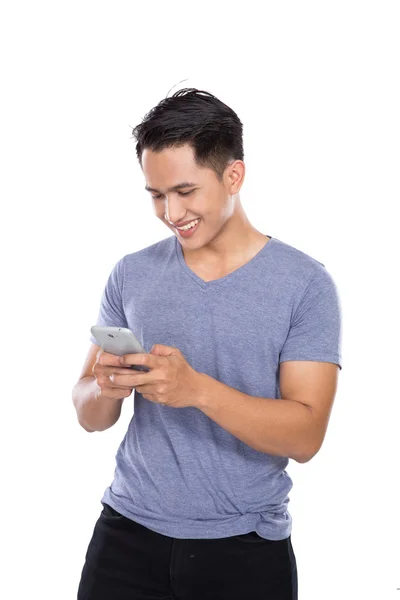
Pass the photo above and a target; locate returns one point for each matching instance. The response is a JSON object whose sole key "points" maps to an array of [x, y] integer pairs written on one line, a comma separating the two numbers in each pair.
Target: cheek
{"points": [[158, 210]]}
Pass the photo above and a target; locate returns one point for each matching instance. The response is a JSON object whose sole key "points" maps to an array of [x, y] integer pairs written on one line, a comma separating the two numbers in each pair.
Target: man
{"points": [[242, 335]]}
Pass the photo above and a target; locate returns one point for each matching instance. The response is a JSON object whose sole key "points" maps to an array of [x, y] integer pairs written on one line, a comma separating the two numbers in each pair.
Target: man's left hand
{"points": [[171, 380]]}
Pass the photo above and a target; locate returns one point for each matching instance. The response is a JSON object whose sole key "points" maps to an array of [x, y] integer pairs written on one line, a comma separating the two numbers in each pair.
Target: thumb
{"points": [[162, 350]]}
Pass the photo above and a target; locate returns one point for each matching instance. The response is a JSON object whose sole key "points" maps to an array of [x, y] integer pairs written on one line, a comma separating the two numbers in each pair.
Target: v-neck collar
{"points": [[205, 284]]}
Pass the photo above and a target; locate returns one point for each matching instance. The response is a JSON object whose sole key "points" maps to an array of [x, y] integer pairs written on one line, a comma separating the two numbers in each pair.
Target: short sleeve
{"points": [[111, 313], [315, 331]]}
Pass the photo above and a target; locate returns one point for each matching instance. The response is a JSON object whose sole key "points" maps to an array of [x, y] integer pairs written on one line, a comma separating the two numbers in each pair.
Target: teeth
{"points": [[189, 225]]}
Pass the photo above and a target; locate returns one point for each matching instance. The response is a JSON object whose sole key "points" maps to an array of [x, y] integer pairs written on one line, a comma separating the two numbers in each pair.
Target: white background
{"points": [[316, 85]]}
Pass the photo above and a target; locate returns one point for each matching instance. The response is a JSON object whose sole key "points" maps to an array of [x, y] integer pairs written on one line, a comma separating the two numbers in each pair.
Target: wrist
{"points": [[203, 386]]}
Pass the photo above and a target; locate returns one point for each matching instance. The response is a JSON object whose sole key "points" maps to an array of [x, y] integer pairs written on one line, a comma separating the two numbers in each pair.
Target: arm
{"points": [[95, 413], [275, 426], [293, 426]]}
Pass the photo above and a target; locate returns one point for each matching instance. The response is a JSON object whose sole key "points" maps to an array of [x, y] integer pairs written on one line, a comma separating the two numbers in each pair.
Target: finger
{"points": [[130, 380], [108, 359], [141, 358], [103, 372], [117, 370], [115, 385]]}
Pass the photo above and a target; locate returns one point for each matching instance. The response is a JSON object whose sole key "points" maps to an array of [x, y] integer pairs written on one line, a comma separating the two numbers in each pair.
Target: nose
{"points": [[173, 212]]}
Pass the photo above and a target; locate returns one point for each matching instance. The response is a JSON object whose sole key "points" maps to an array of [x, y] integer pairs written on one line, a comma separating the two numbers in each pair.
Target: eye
{"points": [[180, 193]]}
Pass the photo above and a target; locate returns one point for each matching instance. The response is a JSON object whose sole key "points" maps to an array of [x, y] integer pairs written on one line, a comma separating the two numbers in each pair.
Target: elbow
{"points": [[303, 458], [99, 427], [85, 427], [308, 454], [83, 424]]}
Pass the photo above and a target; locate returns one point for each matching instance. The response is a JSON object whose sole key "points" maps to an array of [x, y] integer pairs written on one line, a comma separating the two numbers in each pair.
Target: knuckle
{"points": [[103, 380], [97, 367]]}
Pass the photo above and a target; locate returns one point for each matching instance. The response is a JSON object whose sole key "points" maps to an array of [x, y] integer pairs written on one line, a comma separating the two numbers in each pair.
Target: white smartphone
{"points": [[119, 341]]}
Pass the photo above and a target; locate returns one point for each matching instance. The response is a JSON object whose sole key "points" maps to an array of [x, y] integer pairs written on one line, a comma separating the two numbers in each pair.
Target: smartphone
{"points": [[119, 341]]}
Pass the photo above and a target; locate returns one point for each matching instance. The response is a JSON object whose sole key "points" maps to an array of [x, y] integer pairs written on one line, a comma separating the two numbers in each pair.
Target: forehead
{"points": [[168, 160], [165, 170]]}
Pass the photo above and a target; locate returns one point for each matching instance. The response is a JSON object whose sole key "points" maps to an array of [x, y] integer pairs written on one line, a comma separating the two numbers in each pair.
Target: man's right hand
{"points": [[106, 364]]}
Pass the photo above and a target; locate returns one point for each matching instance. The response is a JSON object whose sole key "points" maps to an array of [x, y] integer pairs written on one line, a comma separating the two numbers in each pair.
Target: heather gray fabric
{"points": [[177, 471]]}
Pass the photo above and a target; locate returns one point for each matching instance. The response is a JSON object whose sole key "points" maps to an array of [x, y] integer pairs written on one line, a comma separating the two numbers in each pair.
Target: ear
{"points": [[236, 171]]}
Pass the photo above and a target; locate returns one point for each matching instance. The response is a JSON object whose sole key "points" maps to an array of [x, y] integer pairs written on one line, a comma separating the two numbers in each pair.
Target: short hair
{"points": [[199, 119]]}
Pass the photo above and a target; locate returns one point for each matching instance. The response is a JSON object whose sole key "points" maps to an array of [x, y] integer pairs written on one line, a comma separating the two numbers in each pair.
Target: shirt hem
{"points": [[248, 523]]}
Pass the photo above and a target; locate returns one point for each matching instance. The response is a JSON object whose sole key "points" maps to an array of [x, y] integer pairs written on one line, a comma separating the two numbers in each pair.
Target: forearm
{"points": [[275, 426], [94, 413]]}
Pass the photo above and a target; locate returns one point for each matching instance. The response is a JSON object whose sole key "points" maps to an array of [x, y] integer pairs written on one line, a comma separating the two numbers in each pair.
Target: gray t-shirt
{"points": [[177, 471]]}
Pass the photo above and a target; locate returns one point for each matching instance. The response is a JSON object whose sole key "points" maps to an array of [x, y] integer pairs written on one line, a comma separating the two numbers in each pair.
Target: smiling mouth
{"points": [[188, 226]]}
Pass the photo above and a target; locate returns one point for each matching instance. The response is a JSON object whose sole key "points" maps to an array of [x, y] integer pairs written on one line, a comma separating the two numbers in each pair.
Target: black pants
{"points": [[127, 561]]}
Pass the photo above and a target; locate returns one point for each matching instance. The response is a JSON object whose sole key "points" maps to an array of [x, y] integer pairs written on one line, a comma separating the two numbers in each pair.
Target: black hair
{"points": [[197, 118]]}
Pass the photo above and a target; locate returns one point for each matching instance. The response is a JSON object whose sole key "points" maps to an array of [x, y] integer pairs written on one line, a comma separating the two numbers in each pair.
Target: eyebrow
{"points": [[184, 184]]}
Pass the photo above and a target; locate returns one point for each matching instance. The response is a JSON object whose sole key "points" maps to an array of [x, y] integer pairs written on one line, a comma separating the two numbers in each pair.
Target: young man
{"points": [[243, 341]]}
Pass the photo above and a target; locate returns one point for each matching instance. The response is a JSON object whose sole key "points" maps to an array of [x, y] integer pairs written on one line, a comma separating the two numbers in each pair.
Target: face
{"points": [[205, 198]]}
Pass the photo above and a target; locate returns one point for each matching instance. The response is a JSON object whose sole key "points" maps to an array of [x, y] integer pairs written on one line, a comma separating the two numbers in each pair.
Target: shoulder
{"points": [[300, 269], [154, 252]]}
